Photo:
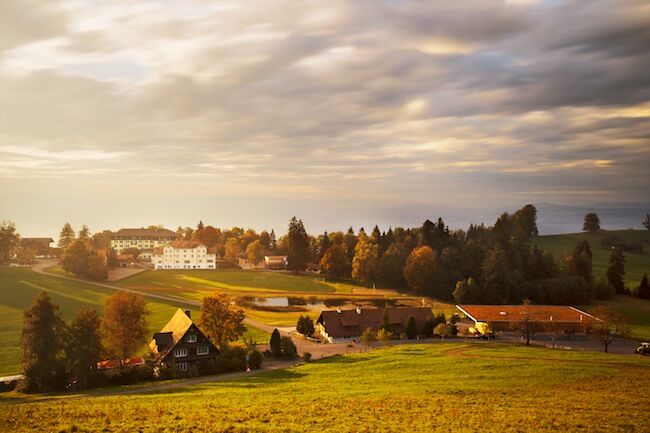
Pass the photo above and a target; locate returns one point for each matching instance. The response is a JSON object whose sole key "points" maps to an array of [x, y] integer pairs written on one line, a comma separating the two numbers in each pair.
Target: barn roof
{"points": [[515, 313], [345, 323]]}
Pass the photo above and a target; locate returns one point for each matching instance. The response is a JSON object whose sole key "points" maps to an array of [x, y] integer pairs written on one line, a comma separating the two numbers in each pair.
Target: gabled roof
{"points": [[142, 232], [44, 241], [176, 328], [515, 313], [348, 323]]}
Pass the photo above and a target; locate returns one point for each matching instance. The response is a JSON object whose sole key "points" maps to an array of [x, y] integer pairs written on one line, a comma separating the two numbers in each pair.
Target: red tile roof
{"points": [[128, 362], [514, 313]]}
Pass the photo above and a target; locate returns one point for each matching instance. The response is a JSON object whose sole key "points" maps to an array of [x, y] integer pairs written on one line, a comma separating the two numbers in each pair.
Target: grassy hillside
{"points": [[414, 388], [19, 286], [636, 264], [233, 281]]}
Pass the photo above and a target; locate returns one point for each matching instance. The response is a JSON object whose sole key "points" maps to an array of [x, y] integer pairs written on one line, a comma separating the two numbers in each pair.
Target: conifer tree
{"points": [[67, 236], [616, 270]]}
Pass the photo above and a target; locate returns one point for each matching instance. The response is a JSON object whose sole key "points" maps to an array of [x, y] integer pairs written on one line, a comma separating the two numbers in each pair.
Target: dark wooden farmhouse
{"points": [[348, 325], [181, 344]]}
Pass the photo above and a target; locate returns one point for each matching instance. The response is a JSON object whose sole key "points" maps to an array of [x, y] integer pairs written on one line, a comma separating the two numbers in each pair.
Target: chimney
{"points": [[338, 310], [188, 313], [358, 310]]}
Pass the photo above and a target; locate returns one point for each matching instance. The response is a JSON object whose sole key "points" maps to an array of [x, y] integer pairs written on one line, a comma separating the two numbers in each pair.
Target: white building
{"points": [[143, 239], [184, 255]]}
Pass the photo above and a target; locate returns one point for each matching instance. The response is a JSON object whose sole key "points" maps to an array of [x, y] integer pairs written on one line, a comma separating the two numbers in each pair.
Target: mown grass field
{"points": [[412, 388], [19, 286], [235, 282], [636, 264], [637, 312]]}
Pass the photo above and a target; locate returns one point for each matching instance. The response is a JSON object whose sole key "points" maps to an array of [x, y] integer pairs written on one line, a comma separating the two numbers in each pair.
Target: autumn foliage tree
{"points": [[335, 261], [419, 268], [221, 321], [255, 251], [124, 326], [364, 264], [83, 348], [42, 343], [611, 324]]}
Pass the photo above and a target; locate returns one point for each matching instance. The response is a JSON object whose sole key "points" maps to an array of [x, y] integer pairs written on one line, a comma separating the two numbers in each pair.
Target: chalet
{"points": [[40, 246], [277, 263], [545, 317], [348, 325], [181, 343]]}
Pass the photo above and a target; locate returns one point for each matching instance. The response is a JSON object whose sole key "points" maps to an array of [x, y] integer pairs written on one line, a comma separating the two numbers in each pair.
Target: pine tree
{"points": [[581, 260], [324, 245], [297, 246], [273, 243], [616, 270], [84, 235], [385, 320], [67, 236], [276, 343], [42, 343], [411, 328]]}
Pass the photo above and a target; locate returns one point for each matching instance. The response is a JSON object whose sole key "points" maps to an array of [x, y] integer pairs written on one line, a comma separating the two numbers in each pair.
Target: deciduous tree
{"points": [[335, 261], [591, 223], [364, 263], [419, 269], [443, 330], [9, 240], [124, 326], [611, 325], [255, 251], [233, 250], [221, 321], [83, 349]]}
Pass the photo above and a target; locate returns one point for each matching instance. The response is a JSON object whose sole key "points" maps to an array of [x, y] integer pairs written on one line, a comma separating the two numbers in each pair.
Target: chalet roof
{"points": [[514, 313], [142, 232], [347, 323], [175, 328]]}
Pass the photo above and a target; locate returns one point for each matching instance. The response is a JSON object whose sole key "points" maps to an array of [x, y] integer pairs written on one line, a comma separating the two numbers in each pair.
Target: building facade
{"points": [[184, 255], [181, 344], [143, 239]]}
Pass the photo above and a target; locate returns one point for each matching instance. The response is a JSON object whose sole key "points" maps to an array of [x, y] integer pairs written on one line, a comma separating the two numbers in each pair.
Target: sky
{"points": [[118, 114]]}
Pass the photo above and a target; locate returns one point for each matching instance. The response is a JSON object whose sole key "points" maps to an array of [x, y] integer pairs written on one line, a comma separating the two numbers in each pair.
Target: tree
{"points": [[25, 255], [616, 270], [95, 268], [209, 236], [83, 349], [102, 240], [467, 292], [390, 270], [500, 281], [84, 235], [221, 321], [305, 326], [335, 261], [427, 234], [364, 263], [265, 239], [385, 320], [368, 337], [411, 328], [124, 327], [297, 246], [602, 290], [419, 269], [42, 343], [288, 348], [111, 258], [233, 250], [276, 343], [611, 324], [75, 258], [643, 291], [580, 263], [255, 251], [9, 240], [67, 236], [526, 323], [442, 330], [273, 244], [384, 335], [591, 223], [324, 245], [646, 221]]}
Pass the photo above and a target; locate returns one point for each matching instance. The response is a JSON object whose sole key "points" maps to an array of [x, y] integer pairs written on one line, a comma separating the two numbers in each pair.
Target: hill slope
{"points": [[414, 388]]}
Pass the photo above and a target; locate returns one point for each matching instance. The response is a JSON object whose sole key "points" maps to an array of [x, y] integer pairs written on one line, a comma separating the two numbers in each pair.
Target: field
{"points": [[637, 312], [636, 264], [414, 388], [19, 286]]}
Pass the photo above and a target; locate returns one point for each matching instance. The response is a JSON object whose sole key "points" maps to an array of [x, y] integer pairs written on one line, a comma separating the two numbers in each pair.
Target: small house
{"points": [[181, 344]]}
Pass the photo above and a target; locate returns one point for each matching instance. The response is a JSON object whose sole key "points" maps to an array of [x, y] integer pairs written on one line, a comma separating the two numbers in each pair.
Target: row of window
{"points": [[181, 352]]}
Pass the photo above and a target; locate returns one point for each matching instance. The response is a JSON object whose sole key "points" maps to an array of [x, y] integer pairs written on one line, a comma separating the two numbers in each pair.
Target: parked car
{"points": [[643, 349]]}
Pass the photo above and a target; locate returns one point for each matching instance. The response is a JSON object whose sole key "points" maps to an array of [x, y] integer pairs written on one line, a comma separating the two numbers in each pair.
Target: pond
{"points": [[285, 301]]}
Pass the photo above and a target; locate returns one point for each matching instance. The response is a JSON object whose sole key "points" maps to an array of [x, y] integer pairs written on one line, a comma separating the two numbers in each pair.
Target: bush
{"points": [[306, 356], [255, 359], [232, 358]]}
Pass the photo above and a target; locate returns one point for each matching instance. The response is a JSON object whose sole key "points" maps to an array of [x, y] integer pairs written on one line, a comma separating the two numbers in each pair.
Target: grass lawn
{"points": [[637, 312], [19, 286], [233, 281], [410, 388], [636, 264]]}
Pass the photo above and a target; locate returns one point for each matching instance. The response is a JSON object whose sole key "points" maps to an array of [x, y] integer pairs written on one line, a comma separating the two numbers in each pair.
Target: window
{"points": [[182, 366], [180, 352], [191, 338], [202, 350]]}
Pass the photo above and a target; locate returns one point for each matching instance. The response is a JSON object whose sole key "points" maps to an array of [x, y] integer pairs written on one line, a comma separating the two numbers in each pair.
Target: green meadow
{"points": [[19, 286], [410, 388], [636, 264]]}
